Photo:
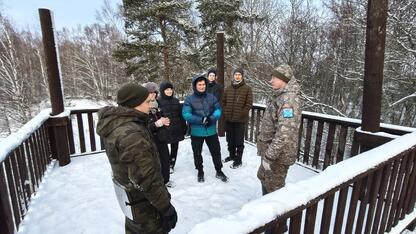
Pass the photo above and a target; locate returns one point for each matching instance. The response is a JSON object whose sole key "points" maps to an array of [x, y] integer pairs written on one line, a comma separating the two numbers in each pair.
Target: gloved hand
{"points": [[206, 121], [169, 218]]}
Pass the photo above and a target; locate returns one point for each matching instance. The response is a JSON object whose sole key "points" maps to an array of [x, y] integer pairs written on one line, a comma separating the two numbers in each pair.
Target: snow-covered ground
{"points": [[79, 197]]}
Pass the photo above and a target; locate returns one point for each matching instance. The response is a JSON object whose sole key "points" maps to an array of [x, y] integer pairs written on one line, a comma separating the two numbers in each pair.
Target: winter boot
{"points": [[220, 175], [236, 164], [229, 158], [237, 161], [201, 176]]}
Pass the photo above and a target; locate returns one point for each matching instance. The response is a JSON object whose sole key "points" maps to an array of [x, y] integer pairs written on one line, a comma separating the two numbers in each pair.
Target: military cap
{"points": [[283, 72]]}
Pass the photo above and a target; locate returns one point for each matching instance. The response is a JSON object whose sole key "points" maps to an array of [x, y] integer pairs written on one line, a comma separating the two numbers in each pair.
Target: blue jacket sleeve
{"points": [[187, 113], [217, 110]]}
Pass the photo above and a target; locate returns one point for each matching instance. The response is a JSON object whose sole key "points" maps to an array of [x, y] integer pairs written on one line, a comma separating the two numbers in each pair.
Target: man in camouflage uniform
{"points": [[278, 138], [135, 164]]}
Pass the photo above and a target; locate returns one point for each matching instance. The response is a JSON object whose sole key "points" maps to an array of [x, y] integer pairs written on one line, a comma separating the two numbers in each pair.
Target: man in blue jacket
{"points": [[202, 110]]}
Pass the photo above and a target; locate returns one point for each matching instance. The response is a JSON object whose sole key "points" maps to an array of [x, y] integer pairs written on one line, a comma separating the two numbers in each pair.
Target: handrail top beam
{"points": [[13, 141], [292, 196]]}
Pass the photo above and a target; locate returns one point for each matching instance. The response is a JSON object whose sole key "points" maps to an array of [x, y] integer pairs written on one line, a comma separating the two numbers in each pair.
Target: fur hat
{"points": [[152, 87], [283, 72], [131, 95]]}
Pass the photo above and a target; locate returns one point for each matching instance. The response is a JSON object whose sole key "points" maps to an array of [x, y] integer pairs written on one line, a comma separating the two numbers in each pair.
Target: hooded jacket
{"points": [[200, 105], [134, 159], [170, 107]]}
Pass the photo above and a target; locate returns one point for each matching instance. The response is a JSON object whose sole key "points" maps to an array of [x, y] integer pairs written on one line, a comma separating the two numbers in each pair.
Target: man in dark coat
{"points": [[202, 110], [170, 108], [213, 87], [236, 102], [135, 164]]}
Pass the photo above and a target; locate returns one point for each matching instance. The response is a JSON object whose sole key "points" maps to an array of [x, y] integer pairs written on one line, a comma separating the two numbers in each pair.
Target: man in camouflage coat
{"points": [[134, 162], [278, 138]]}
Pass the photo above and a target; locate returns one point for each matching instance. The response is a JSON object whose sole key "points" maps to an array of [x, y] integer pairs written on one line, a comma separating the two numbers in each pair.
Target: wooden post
{"points": [[373, 69], [374, 64], [51, 57], [58, 126], [220, 75]]}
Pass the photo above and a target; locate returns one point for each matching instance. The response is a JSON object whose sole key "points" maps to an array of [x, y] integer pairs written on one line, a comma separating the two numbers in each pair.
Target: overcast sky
{"points": [[66, 13]]}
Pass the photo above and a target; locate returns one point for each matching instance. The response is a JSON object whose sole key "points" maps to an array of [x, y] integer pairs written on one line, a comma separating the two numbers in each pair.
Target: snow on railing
{"points": [[358, 121], [9, 143], [259, 212]]}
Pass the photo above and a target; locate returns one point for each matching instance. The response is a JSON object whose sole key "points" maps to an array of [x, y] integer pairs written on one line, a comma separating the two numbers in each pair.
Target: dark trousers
{"points": [[213, 146], [164, 158], [235, 139], [173, 153]]}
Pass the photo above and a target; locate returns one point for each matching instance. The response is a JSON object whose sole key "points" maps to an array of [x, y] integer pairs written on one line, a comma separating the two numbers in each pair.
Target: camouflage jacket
{"points": [[133, 156], [278, 137]]}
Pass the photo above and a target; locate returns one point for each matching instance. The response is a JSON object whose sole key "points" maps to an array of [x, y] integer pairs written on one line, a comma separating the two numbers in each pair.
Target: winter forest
{"points": [[142, 40]]}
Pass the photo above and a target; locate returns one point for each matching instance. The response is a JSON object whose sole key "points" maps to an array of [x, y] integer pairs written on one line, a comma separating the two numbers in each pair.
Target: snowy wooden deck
{"points": [[79, 197]]}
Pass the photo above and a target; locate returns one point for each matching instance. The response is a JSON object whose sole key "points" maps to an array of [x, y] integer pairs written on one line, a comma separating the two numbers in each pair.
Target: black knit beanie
{"points": [[211, 70], [131, 95], [239, 70]]}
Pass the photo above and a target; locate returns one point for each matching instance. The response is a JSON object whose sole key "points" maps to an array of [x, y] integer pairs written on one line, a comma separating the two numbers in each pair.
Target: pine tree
{"points": [[220, 16], [157, 31]]}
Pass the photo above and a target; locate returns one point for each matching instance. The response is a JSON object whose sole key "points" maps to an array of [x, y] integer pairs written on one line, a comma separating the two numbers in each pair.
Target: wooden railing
{"points": [[253, 124], [373, 192], [373, 201], [83, 121], [325, 140], [21, 172]]}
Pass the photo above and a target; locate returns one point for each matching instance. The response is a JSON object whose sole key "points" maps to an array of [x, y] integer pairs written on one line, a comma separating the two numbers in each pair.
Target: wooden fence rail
{"points": [[324, 140], [21, 173], [84, 121], [373, 192], [371, 202]]}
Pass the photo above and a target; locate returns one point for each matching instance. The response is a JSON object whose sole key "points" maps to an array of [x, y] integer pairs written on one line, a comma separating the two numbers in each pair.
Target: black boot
{"points": [[236, 164], [201, 176], [220, 175], [229, 158]]}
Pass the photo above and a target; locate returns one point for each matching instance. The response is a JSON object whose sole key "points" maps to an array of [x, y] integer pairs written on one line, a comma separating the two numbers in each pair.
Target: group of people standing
{"points": [[137, 134]]}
